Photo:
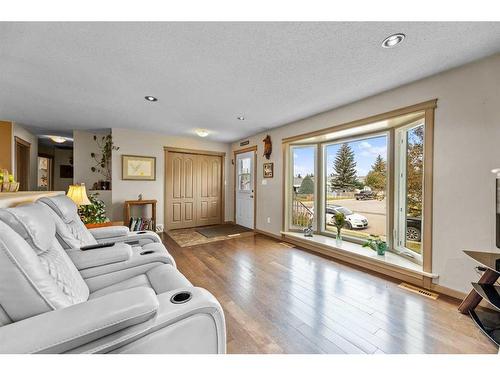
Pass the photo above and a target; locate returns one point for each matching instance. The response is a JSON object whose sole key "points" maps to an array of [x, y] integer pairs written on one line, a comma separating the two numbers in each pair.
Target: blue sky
{"points": [[365, 153]]}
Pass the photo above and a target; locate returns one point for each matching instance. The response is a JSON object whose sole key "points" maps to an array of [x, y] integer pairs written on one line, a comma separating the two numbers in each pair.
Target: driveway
{"points": [[373, 210]]}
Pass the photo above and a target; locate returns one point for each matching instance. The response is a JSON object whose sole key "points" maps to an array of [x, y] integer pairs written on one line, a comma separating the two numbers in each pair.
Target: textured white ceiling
{"points": [[95, 75]]}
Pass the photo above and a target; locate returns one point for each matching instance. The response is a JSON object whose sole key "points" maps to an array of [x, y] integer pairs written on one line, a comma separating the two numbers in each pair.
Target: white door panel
{"points": [[245, 189]]}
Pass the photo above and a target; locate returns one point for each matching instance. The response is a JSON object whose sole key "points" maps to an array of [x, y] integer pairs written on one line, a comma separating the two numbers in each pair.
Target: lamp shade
{"points": [[78, 194]]}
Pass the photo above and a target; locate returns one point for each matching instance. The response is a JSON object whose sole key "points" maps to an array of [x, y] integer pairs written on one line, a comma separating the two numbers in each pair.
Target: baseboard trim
{"points": [[269, 234]]}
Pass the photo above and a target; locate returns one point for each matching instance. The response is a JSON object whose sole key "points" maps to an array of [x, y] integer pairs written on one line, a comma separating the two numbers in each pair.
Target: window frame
{"points": [[323, 145], [290, 183], [428, 111]]}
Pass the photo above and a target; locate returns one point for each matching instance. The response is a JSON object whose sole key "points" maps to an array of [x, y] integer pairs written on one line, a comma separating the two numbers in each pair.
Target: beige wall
{"points": [[23, 133], [467, 136], [6, 145], [151, 144]]}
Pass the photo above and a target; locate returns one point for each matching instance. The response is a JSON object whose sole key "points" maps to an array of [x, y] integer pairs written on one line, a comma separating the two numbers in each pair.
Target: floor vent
{"points": [[421, 291], [287, 244]]}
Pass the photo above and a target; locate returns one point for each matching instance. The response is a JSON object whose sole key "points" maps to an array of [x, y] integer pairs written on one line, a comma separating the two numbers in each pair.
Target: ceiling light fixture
{"points": [[241, 118], [57, 139], [393, 40], [202, 132], [150, 98]]}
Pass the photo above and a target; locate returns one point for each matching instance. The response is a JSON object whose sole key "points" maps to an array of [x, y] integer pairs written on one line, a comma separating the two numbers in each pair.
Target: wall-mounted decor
{"points": [[268, 147], [138, 167], [245, 143], [268, 170], [65, 171]]}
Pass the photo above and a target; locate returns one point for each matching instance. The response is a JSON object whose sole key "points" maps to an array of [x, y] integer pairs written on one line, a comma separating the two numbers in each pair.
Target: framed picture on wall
{"points": [[136, 167], [268, 170]]}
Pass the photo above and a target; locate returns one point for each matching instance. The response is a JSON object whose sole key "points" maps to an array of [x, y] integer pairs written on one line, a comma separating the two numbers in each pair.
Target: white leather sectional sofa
{"points": [[124, 298]]}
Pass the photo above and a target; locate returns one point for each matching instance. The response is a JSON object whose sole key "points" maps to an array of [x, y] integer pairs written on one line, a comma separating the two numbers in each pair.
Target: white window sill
{"points": [[356, 250]]}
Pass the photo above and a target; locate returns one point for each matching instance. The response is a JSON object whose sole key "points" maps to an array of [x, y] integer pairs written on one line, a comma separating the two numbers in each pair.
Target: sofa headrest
{"points": [[65, 208], [33, 223]]}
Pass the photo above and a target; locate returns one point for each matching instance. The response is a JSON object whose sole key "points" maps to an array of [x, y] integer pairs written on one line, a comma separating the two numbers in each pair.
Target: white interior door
{"points": [[245, 189]]}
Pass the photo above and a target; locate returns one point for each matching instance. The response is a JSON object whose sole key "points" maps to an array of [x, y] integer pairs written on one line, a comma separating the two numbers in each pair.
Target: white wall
{"points": [[143, 143], [467, 137], [61, 157], [21, 132]]}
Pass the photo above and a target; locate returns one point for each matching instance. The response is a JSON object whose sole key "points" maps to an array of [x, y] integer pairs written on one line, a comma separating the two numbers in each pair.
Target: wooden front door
{"points": [[193, 190], [209, 190]]}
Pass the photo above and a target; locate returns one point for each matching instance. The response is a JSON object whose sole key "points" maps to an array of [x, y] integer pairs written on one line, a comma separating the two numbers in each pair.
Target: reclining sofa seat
{"points": [[47, 307], [67, 210], [72, 233]]}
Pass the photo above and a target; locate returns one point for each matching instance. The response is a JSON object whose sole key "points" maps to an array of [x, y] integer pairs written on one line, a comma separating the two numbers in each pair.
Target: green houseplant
{"points": [[339, 222], [94, 213], [103, 159], [375, 243]]}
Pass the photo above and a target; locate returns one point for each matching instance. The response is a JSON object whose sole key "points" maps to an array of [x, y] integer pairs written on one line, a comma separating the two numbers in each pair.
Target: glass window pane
{"points": [[355, 185], [303, 186], [244, 182], [245, 165], [414, 187]]}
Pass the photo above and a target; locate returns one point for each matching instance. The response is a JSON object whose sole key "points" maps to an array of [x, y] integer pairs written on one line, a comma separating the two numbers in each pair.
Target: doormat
{"points": [[191, 237], [222, 230]]}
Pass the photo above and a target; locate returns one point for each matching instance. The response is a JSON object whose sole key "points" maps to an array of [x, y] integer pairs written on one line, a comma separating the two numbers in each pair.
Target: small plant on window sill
{"points": [[339, 222], [375, 243]]}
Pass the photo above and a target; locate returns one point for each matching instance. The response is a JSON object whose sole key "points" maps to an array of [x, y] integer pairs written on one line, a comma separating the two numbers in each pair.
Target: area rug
{"points": [[191, 237], [222, 230]]}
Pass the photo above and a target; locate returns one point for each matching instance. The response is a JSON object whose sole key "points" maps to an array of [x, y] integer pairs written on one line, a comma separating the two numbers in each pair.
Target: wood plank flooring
{"points": [[278, 299]]}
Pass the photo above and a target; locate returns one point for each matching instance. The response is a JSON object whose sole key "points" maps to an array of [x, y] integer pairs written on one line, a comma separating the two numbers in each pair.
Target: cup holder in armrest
{"points": [[180, 297], [142, 232], [147, 252]]}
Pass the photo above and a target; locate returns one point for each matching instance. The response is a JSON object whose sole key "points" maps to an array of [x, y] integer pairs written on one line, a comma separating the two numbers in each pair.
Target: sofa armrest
{"points": [[109, 232], [141, 238], [65, 329], [119, 252]]}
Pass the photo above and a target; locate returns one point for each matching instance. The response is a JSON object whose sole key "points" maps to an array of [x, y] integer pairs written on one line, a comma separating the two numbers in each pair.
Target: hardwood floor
{"points": [[278, 299]]}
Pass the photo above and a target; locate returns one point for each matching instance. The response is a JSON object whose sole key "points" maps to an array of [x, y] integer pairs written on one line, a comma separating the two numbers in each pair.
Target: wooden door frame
{"points": [[235, 153], [23, 143], [222, 155]]}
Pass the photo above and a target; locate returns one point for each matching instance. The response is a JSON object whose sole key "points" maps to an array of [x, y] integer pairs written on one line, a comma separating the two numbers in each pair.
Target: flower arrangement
{"points": [[7, 183], [375, 243], [338, 221]]}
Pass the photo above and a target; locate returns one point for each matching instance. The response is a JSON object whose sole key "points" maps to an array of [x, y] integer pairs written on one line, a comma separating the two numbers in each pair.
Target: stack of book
{"points": [[140, 223]]}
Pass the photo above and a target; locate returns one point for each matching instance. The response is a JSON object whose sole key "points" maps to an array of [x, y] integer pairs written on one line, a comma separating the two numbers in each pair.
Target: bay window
{"points": [[370, 171]]}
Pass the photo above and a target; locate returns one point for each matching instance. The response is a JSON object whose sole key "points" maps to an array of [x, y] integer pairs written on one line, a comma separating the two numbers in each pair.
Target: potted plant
{"points": [[103, 162], [339, 223], [375, 243], [93, 214]]}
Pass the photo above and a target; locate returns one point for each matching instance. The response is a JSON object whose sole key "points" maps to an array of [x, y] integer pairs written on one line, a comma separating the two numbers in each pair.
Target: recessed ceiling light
{"points": [[393, 40], [57, 139], [202, 132], [241, 118], [150, 98]]}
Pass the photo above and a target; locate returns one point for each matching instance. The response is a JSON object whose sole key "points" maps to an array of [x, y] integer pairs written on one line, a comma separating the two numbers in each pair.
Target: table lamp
{"points": [[78, 194]]}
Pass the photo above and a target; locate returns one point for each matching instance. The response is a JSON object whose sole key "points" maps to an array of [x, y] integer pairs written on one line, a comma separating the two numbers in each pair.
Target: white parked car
{"points": [[353, 220]]}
